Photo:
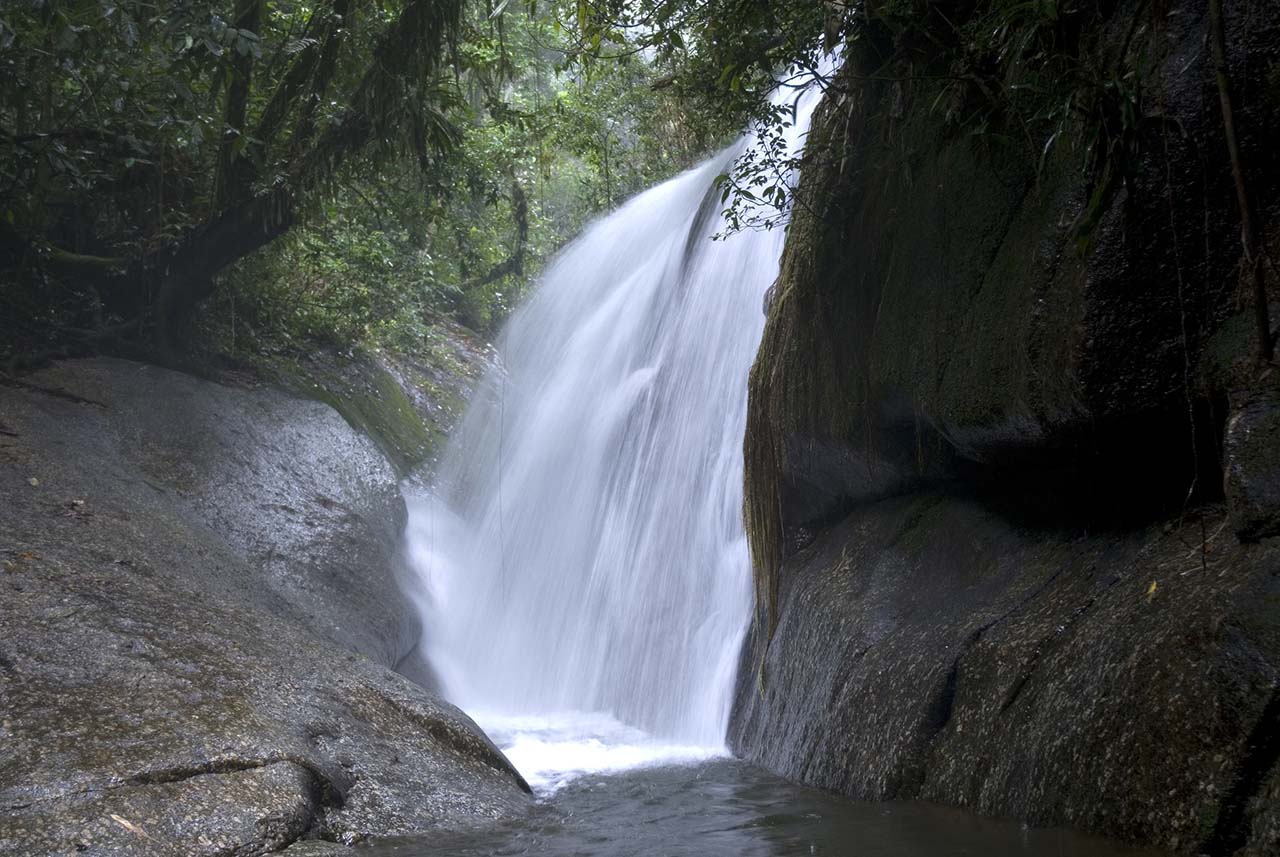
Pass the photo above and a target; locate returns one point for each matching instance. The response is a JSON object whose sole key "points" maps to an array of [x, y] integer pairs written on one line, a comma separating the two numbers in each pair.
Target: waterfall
{"points": [[583, 547]]}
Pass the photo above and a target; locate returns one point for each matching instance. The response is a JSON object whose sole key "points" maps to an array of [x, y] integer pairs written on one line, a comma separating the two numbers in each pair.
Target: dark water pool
{"points": [[726, 807]]}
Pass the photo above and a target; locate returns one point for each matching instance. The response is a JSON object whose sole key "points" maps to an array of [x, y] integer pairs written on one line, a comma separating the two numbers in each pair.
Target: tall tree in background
{"points": [[420, 156], [152, 147]]}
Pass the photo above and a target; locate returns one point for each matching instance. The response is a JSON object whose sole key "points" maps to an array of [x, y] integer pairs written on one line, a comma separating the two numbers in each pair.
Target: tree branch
{"points": [[513, 264], [83, 265], [233, 178], [410, 50]]}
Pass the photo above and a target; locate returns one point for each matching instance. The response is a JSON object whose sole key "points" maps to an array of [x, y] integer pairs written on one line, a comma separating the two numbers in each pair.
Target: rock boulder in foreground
{"points": [[200, 619]]}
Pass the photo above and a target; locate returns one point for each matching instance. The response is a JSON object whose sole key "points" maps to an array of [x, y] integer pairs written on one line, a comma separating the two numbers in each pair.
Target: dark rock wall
{"points": [[986, 460], [1122, 683], [935, 304]]}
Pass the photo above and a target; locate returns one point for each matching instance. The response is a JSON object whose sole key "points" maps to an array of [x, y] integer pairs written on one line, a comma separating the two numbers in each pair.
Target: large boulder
{"points": [[201, 619], [989, 429], [947, 301], [1124, 683]]}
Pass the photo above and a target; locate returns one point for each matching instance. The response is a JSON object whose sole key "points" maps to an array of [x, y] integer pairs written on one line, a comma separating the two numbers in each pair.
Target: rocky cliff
{"points": [[1011, 469]]}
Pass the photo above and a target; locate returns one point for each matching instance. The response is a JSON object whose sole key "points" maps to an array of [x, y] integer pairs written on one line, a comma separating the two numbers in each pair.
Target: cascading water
{"points": [[583, 549]]}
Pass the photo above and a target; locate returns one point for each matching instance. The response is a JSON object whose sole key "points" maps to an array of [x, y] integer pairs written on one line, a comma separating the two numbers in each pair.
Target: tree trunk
{"points": [[233, 177], [186, 275], [1251, 270], [410, 48]]}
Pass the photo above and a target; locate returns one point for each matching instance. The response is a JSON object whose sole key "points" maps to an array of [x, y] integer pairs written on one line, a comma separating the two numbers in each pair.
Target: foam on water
{"points": [[552, 750]]}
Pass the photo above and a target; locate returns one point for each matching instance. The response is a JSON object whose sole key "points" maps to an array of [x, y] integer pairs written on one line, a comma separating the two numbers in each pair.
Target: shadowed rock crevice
{"points": [[324, 790], [186, 772], [938, 714]]}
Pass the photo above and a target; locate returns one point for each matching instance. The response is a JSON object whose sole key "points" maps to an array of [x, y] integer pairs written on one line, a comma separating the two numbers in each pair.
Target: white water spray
{"points": [[583, 552]]}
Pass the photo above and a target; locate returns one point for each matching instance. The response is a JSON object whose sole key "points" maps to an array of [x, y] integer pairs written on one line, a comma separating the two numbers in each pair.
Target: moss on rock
{"points": [[372, 401], [407, 403]]}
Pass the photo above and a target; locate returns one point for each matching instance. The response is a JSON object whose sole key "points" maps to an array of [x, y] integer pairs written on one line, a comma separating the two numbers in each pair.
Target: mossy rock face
{"points": [[940, 305], [987, 424], [406, 403], [370, 399]]}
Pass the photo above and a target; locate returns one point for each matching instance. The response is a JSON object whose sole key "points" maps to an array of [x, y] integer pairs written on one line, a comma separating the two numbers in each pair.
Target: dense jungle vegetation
{"points": [[276, 174]]}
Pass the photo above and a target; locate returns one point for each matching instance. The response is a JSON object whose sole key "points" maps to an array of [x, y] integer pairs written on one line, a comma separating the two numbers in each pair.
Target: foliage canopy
{"points": [[416, 157], [341, 170]]}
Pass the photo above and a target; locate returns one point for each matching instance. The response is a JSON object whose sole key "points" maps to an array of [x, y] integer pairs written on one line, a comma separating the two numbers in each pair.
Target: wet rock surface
{"points": [[985, 460], [1121, 683], [1252, 458], [940, 303], [405, 403], [200, 610]]}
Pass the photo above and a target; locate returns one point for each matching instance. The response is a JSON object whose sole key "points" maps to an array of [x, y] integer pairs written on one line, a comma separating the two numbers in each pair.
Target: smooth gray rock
{"points": [[200, 615]]}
